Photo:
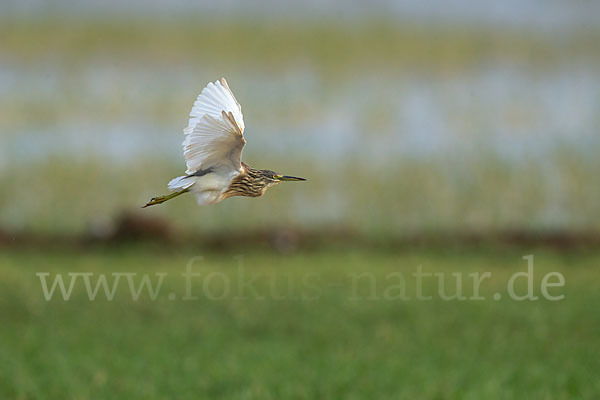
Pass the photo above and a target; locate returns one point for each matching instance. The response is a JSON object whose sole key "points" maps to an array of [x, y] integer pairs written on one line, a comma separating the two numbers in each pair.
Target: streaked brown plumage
{"points": [[251, 182]]}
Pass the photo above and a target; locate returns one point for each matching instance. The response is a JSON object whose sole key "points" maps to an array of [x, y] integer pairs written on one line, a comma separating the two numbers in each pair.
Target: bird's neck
{"points": [[248, 183], [250, 172]]}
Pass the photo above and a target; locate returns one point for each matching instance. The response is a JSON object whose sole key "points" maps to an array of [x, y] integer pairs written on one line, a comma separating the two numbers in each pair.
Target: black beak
{"points": [[290, 178]]}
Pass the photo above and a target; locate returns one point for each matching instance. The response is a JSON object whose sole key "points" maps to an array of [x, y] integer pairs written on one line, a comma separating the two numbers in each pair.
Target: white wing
{"points": [[214, 136]]}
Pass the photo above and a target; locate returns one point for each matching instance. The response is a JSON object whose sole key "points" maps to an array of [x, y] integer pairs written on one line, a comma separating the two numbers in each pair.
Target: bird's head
{"points": [[255, 182], [272, 177], [269, 178]]}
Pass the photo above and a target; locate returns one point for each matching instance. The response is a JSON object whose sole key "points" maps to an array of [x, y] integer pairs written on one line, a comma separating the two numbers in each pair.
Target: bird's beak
{"points": [[288, 178]]}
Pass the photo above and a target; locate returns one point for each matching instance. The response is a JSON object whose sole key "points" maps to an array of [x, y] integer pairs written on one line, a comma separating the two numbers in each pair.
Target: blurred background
{"points": [[404, 115], [409, 119]]}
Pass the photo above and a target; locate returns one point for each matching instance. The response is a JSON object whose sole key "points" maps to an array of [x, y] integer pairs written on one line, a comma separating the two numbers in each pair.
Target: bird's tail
{"points": [[181, 182]]}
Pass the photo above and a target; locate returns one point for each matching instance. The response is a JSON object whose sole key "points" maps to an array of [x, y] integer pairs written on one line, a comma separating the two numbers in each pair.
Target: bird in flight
{"points": [[212, 148]]}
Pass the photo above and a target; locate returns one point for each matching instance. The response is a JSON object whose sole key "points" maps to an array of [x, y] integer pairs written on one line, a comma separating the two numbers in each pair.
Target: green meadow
{"points": [[477, 193], [323, 324]]}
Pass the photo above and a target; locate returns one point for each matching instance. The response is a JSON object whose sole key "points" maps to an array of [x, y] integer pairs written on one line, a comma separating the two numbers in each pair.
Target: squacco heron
{"points": [[212, 148]]}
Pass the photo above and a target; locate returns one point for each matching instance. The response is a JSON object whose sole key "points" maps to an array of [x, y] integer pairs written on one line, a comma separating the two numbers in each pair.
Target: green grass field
{"points": [[321, 332]]}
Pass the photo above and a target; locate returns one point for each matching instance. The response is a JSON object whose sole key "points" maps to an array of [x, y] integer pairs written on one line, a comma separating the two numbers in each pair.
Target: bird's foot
{"points": [[155, 200], [162, 199]]}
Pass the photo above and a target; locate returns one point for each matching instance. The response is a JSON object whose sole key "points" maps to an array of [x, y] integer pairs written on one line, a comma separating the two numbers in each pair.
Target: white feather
{"points": [[181, 182], [215, 98], [211, 137], [213, 142]]}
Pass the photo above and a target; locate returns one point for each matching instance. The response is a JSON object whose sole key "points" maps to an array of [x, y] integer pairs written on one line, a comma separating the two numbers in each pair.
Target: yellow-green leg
{"points": [[162, 199]]}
